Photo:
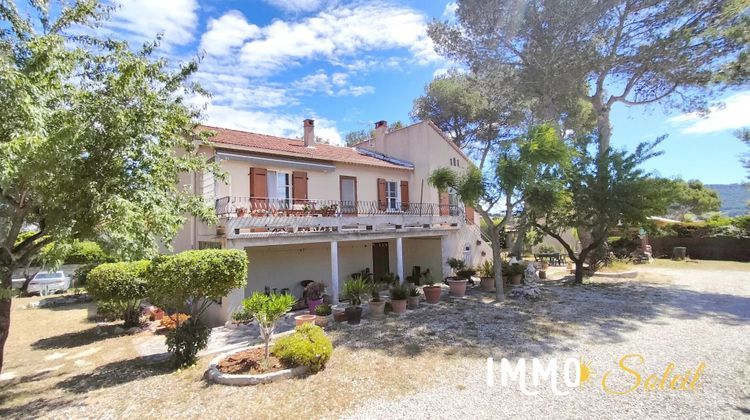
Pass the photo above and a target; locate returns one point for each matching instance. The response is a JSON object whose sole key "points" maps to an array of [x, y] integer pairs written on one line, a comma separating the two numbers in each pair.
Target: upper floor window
{"points": [[279, 185], [391, 195]]}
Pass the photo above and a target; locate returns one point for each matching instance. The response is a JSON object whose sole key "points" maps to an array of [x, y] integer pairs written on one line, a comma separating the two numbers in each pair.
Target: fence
{"points": [[709, 248]]}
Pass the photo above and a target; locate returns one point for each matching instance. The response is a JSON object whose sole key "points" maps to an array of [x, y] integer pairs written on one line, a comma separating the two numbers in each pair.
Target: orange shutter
{"points": [[470, 215], [299, 187], [258, 187], [404, 195], [445, 202], [382, 204]]}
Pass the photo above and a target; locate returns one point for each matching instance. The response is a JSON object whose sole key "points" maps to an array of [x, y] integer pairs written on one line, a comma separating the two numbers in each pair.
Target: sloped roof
{"points": [[280, 146]]}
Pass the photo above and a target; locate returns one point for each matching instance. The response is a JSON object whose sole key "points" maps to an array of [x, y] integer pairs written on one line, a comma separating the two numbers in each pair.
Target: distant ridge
{"points": [[734, 198]]}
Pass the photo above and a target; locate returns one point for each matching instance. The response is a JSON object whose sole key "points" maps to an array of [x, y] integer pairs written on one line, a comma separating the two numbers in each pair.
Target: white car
{"points": [[45, 283]]}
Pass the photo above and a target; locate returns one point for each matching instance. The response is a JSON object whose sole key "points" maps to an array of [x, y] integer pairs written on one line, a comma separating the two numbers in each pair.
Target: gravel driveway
{"points": [[668, 315]]}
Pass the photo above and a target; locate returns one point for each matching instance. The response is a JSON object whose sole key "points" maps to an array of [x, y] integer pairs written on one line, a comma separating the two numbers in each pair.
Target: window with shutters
{"points": [[392, 196], [279, 185]]}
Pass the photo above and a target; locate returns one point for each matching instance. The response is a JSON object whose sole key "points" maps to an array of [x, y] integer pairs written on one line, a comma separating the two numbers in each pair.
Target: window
{"points": [[453, 201], [279, 185], [391, 195]]}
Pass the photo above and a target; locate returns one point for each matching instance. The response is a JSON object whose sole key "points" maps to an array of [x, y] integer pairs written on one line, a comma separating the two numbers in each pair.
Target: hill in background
{"points": [[734, 198]]}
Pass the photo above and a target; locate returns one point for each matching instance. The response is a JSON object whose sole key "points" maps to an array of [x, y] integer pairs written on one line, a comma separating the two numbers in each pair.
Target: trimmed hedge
{"points": [[122, 284], [193, 275], [86, 252], [306, 346]]}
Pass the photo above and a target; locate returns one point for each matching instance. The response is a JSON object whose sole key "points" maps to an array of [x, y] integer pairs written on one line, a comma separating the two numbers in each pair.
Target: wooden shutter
{"points": [[404, 195], [258, 187], [299, 187], [445, 202], [382, 202], [469, 215]]}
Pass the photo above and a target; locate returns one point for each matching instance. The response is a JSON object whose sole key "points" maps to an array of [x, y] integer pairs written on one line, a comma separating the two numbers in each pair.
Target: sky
{"points": [[269, 64]]}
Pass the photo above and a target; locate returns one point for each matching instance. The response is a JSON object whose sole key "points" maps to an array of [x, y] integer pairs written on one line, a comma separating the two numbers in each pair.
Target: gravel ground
{"points": [[669, 315]]}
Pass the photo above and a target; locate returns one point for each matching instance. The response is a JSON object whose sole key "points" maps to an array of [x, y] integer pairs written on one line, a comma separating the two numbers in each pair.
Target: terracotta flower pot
{"points": [[487, 284], [322, 321], [398, 306], [542, 274], [304, 319], [457, 287], [353, 315], [314, 303], [515, 279], [432, 293], [412, 302], [377, 309]]}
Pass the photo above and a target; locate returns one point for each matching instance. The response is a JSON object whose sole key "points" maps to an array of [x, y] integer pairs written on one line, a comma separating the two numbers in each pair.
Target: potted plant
{"points": [[323, 313], [241, 211], [377, 304], [487, 276], [314, 295], [399, 293], [431, 291], [412, 301], [515, 273], [455, 264], [355, 289]]}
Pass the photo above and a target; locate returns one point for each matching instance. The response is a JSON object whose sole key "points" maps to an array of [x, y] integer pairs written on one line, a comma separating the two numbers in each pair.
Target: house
{"points": [[309, 211]]}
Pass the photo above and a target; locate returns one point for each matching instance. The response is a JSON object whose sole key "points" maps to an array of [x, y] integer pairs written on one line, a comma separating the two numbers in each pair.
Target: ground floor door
{"points": [[380, 259]]}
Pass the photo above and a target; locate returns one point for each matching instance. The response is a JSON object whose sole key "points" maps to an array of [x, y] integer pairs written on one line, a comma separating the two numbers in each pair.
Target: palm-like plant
{"points": [[356, 289], [268, 309]]}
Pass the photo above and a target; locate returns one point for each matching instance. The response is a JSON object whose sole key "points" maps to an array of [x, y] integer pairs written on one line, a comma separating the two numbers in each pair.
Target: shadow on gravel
{"points": [[600, 312], [113, 374], [40, 407], [73, 339]]}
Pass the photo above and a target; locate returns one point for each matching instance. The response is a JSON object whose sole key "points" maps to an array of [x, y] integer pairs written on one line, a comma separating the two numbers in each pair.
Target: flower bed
{"points": [[222, 367]]}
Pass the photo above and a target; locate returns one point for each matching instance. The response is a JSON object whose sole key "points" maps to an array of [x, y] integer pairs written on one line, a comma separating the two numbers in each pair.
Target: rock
{"points": [[526, 292], [119, 330], [133, 330]]}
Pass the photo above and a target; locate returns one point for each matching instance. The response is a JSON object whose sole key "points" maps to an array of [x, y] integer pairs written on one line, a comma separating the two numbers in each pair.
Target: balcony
{"points": [[245, 216]]}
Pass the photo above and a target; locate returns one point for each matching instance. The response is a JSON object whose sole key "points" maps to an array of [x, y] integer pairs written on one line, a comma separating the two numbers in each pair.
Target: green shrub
{"points": [[86, 252], [185, 341], [323, 310], [81, 275], [123, 285], [242, 315], [399, 292], [307, 346], [189, 282], [108, 311]]}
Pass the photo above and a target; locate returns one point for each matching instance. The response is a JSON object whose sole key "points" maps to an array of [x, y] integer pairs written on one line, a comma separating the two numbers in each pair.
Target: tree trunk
{"points": [[579, 271], [518, 245], [6, 274], [497, 260]]}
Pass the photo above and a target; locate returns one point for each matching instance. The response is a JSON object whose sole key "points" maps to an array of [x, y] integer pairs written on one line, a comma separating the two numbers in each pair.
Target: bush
{"points": [[323, 310], [123, 285], [108, 311], [190, 281], [399, 292], [185, 341], [81, 274], [307, 346], [86, 252], [242, 315]]}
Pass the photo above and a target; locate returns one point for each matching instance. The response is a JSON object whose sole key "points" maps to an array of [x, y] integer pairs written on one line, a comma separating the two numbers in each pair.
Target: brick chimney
{"points": [[380, 128], [309, 136]]}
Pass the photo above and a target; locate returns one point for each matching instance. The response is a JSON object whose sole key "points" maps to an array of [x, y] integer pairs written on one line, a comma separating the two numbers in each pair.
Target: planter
{"points": [[353, 315], [322, 321], [241, 212], [398, 306], [487, 284], [339, 316], [377, 309], [457, 287], [221, 231], [314, 303], [542, 274], [215, 375], [432, 294], [304, 319], [515, 279], [412, 302]]}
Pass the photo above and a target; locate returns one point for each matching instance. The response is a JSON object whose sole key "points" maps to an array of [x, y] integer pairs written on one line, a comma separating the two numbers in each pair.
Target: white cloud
{"points": [[344, 31], [336, 84], [227, 32], [142, 20], [279, 124], [297, 5], [734, 113], [450, 10]]}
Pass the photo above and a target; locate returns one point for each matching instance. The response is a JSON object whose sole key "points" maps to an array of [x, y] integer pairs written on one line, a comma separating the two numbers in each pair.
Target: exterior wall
{"points": [[454, 246]]}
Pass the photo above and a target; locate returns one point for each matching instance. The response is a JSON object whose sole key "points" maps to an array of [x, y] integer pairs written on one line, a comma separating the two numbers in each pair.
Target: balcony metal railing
{"points": [[271, 207]]}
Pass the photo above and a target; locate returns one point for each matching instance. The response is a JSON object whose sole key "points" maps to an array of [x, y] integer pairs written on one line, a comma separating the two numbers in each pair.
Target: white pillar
{"points": [[335, 271], [400, 258]]}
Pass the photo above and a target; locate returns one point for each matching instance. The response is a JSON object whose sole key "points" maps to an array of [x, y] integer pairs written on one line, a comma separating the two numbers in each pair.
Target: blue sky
{"points": [[272, 63]]}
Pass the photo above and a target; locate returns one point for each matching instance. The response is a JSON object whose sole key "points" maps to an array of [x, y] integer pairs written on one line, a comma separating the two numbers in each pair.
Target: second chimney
{"points": [[309, 133], [380, 128]]}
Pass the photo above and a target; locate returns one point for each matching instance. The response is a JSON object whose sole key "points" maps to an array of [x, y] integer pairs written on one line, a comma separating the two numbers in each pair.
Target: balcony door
{"points": [[348, 188]]}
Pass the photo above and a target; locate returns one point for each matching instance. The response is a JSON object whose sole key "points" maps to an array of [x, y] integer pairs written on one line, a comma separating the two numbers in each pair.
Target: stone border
{"points": [[623, 275], [215, 375]]}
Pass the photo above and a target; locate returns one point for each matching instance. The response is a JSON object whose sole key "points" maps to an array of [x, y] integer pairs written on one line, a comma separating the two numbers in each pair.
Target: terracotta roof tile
{"points": [[272, 145]]}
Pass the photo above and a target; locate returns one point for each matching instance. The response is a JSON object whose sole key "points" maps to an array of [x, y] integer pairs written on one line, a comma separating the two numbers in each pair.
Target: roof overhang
{"points": [[276, 161]]}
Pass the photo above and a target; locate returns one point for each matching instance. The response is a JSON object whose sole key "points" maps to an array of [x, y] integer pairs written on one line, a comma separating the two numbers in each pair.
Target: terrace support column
{"points": [[335, 271], [400, 258]]}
